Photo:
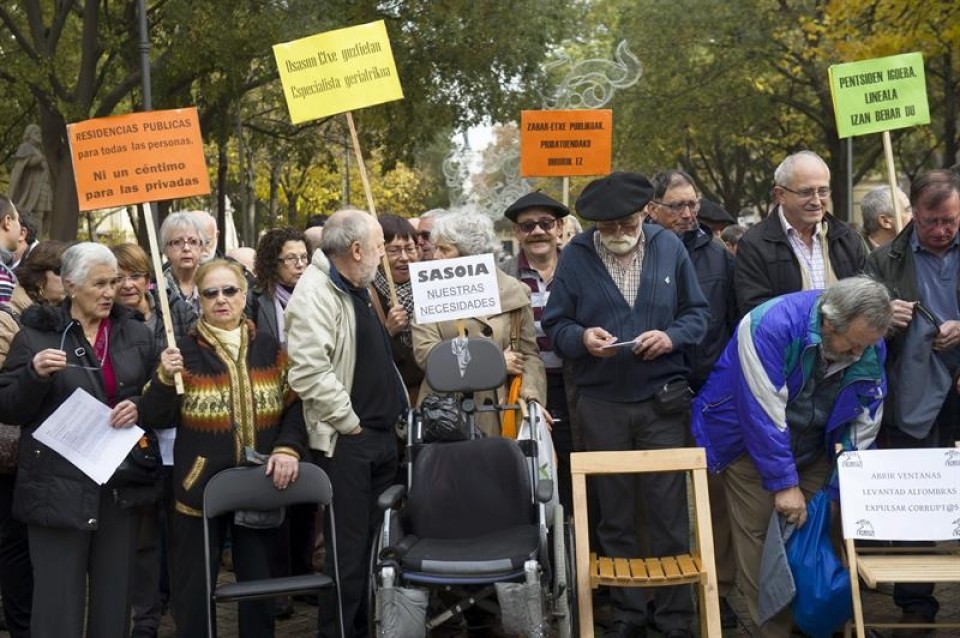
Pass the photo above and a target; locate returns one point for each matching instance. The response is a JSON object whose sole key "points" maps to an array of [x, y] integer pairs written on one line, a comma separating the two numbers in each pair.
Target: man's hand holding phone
{"points": [[595, 341]]}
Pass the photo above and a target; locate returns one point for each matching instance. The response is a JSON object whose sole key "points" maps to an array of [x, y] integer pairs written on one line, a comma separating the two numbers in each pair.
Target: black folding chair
{"points": [[249, 488]]}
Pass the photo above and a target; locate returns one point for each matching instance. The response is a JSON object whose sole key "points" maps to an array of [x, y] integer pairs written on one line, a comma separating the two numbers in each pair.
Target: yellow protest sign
{"points": [[882, 94], [337, 71]]}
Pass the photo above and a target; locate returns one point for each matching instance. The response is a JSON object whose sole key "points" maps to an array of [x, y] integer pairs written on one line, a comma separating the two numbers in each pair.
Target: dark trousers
{"points": [[361, 468], [251, 549], [562, 435], [145, 601], [69, 564], [296, 541], [918, 598], [16, 572], [636, 426]]}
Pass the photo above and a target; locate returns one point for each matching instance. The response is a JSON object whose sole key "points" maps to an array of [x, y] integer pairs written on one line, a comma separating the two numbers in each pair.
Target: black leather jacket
{"points": [[51, 491]]}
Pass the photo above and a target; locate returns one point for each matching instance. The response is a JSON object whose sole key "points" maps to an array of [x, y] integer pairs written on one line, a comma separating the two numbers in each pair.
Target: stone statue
{"points": [[30, 188]]}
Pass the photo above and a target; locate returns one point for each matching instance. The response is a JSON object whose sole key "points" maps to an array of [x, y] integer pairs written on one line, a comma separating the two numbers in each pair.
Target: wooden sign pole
{"points": [[370, 207], [161, 287], [892, 179]]}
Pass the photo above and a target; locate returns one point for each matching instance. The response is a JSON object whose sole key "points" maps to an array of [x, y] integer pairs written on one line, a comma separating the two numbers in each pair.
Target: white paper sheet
{"points": [[79, 430], [166, 437]]}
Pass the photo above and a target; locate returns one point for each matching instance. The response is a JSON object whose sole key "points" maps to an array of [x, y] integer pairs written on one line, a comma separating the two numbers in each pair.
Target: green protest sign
{"points": [[878, 95]]}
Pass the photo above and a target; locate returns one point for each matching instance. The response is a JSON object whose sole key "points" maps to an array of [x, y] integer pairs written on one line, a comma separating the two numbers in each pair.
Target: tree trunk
{"points": [[951, 106], [274, 215], [66, 207], [222, 166]]}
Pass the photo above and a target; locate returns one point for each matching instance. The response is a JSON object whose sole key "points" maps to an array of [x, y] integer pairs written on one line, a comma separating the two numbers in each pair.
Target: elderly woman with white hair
{"points": [[183, 239], [467, 233], [82, 535]]}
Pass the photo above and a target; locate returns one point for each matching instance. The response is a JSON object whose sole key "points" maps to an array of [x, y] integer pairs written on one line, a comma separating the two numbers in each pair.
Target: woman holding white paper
{"points": [[82, 535]]}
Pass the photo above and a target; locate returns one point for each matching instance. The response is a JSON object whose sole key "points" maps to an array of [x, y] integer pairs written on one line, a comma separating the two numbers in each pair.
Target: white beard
{"points": [[619, 245]]}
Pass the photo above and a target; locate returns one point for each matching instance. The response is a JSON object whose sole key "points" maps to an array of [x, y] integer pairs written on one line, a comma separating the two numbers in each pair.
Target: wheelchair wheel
{"points": [[564, 581], [373, 590]]}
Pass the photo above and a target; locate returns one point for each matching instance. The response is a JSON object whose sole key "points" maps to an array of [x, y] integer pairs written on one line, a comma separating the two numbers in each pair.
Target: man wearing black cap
{"points": [[538, 224], [714, 217], [628, 282]]}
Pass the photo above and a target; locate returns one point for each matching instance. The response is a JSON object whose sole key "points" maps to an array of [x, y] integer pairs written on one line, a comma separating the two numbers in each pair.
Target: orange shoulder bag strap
{"points": [[508, 426]]}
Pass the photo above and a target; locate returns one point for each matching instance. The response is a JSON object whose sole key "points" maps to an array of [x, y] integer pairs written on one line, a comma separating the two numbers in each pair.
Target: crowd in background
{"points": [[301, 350]]}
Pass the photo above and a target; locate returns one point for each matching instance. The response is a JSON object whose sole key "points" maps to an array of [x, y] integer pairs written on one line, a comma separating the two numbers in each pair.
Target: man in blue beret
{"points": [[630, 284]]}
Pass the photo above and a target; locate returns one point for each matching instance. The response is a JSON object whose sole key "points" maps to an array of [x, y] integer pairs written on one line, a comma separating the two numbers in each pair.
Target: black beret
{"points": [[713, 212], [615, 196], [536, 199]]}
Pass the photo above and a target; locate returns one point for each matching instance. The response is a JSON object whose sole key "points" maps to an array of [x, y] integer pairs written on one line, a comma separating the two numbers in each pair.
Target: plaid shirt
{"points": [[626, 279], [811, 259], [539, 295]]}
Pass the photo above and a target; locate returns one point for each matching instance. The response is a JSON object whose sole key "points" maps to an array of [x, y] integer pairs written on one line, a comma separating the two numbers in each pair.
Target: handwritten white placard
{"points": [[458, 288], [911, 494]]}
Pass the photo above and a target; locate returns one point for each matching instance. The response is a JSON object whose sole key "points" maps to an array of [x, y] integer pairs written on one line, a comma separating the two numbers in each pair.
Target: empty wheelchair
{"points": [[477, 531]]}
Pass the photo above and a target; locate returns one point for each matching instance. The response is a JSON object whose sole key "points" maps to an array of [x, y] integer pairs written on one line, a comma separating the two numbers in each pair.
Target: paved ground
{"points": [[877, 606]]}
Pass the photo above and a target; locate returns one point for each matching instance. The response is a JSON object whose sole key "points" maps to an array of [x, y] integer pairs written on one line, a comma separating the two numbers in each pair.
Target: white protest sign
{"points": [[451, 289], [901, 494]]}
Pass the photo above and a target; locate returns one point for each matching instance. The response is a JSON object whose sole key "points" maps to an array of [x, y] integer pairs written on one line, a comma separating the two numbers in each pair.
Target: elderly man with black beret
{"points": [[631, 283], [537, 225]]}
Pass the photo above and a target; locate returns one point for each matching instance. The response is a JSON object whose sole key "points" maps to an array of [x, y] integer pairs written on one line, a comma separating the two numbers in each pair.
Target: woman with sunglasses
{"points": [[236, 409], [81, 534], [282, 257]]}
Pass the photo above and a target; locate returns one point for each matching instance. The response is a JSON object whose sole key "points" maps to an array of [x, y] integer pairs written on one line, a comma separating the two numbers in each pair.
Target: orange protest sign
{"points": [[563, 143], [140, 157]]}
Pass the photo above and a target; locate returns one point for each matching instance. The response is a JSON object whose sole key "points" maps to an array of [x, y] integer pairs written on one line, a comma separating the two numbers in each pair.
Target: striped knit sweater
{"points": [[227, 405]]}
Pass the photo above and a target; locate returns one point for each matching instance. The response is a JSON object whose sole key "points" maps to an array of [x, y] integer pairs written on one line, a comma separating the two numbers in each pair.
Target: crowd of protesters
{"points": [[308, 351]]}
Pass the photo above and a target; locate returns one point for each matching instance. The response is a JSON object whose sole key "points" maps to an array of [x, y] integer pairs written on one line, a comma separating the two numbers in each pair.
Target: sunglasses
{"points": [[212, 293], [544, 224]]}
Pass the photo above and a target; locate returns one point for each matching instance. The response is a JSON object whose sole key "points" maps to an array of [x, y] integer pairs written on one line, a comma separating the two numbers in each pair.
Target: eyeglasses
{"points": [[212, 293], [544, 224], [81, 351], [807, 193], [935, 222], [134, 276], [180, 242], [396, 251], [424, 235], [295, 260], [628, 225], [677, 207]]}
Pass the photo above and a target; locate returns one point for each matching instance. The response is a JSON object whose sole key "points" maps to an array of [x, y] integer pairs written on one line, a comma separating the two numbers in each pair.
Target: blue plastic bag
{"points": [[823, 602]]}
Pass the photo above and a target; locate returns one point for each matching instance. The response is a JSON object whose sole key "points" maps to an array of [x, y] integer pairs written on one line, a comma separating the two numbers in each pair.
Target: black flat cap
{"points": [[615, 196], [713, 212], [536, 199]]}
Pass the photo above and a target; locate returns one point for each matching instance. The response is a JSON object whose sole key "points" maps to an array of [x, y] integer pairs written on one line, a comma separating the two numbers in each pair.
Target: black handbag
{"points": [[442, 419], [673, 398], [142, 464]]}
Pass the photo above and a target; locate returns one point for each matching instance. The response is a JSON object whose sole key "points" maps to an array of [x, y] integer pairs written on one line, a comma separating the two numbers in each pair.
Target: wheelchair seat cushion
{"points": [[494, 554], [468, 489]]}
